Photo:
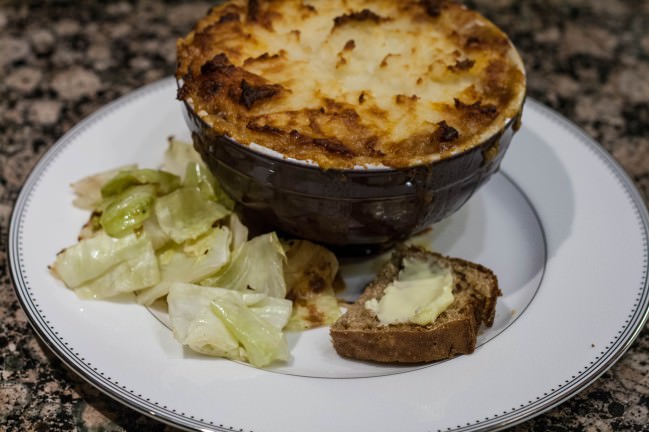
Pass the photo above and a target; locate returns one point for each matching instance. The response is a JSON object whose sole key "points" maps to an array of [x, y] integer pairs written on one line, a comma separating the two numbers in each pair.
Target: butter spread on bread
{"points": [[423, 290]]}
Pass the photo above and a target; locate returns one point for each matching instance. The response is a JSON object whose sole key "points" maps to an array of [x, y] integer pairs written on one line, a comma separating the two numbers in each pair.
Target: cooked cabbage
{"points": [[127, 211], [134, 274], [310, 273], [239, 231], [177, 155], [172, 233], [263, 343], [185, 214], [197, 175], [225, 323], [152, 229], [87, 190], [258, 266], [190, 263], [103, 266], [165, 182], [89, 259]]}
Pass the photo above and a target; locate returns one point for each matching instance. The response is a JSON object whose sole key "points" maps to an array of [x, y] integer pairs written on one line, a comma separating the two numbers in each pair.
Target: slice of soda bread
{"points": [[358, 334]]}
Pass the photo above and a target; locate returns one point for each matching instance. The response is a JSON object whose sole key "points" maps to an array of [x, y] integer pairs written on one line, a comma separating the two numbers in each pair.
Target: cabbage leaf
{"points": [[92, 257], [258, 266], [185, 214], [177, 155], [318, 310], [181, 159], [128, 210], [225, 323], [131, 275], [310, 273], [239, 231], [262, 342], [197, 175], [91, 227], [190, 263], [87, 190], [152, 229], [165, 182], [194, 324]]}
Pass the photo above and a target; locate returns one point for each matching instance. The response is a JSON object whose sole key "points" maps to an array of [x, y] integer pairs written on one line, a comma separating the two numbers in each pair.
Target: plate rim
{"points": [[585, 377]]}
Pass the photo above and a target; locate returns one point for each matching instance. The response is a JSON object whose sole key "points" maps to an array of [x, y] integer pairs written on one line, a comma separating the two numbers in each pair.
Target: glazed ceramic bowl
{"points": [[359, 210]]}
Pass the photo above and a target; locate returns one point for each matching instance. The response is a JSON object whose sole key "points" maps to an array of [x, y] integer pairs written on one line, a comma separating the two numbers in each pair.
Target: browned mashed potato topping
{"points": [[351, 82]]}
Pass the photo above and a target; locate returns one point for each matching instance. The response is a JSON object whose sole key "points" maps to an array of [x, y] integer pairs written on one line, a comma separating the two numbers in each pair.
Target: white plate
{"points": [[561, 225]]}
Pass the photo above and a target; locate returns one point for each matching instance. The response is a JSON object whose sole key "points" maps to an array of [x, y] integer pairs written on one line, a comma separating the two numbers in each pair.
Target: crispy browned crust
{"points": [[246, 87], [358, 335]]}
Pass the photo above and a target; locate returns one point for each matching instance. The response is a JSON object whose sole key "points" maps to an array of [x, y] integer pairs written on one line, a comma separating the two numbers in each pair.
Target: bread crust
{"points": [[359, 335], [407, 345]]}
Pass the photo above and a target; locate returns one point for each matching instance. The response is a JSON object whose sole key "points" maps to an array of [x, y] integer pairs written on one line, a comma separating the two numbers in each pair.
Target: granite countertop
{"points": [[60, 61]]}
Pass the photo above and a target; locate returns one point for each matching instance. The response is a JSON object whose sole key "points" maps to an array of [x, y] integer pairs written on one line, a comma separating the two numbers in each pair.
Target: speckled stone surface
{"points": [[60, 61]]}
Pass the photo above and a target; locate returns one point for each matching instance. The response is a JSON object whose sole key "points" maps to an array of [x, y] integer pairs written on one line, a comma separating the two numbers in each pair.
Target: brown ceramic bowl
{"points": [[351, 210]]}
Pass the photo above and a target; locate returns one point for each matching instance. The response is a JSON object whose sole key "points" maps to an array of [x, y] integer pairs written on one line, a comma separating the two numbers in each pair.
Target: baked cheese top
{"points": [[347, 83]]}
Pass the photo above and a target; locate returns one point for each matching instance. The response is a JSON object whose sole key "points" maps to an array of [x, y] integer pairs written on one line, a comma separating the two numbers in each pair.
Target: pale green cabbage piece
{"points": [[177, 155], [272, 309], [131, 275], [262, 342], [152, 229], [92, 257], [181, 159], [165, 182], [187, 264], [239, 231], [87, 190], [127, 211], [225, 323], [185, 214], [194, 324], [91, 227], [257, 265], [197, 175]]}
